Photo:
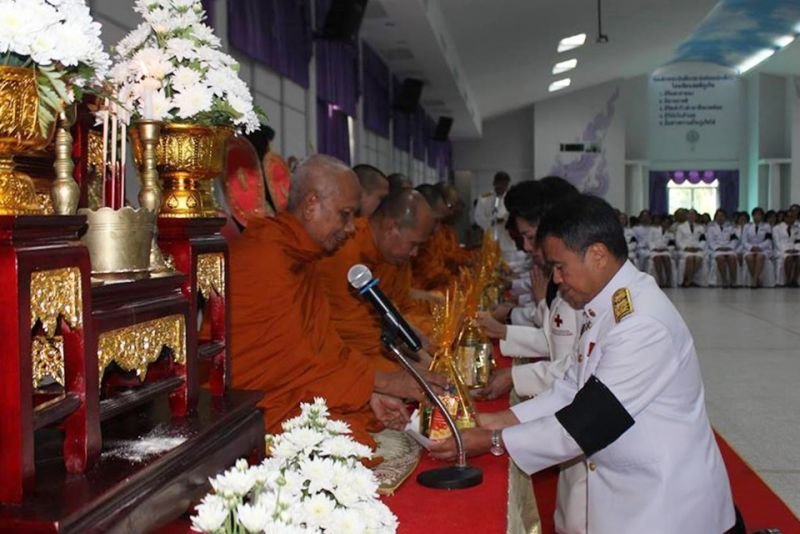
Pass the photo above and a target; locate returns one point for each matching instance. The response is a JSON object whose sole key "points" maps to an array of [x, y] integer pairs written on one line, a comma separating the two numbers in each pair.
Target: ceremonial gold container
{"points": [[19, 134], [119, 242], [473, 358], [188, 158]]}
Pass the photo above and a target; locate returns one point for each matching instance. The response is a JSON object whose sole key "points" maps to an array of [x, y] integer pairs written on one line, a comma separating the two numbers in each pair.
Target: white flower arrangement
{"points": [[314, 482], [60, 41], [172, 63]]}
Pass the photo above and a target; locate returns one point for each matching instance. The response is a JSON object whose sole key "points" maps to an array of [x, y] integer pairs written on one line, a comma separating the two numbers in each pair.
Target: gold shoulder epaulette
{"points": [[622, 304], [487, 194]]}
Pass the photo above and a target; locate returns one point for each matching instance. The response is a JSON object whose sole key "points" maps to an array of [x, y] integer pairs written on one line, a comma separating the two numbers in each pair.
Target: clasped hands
{"points": [[476, 440]]}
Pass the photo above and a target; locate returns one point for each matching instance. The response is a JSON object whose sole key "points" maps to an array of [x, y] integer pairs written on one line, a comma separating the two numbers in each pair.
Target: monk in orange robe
{"points": [[374, 187], [383, 242], [282, 339], [430, 270]]}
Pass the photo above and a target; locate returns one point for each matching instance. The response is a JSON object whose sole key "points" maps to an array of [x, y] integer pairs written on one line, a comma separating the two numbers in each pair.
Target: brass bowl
{"points": [[119, 242], [189, 157], [19, 134]]}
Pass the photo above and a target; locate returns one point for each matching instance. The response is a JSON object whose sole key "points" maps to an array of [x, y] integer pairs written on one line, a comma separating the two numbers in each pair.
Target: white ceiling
{"points": [[500, 53]]}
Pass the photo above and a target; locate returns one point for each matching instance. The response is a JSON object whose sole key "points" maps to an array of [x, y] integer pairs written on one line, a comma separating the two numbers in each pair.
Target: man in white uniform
{"points": [[491, 216], [633, 405]]}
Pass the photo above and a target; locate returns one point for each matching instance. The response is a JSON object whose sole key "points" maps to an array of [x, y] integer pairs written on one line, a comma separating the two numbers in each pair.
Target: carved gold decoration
{"points": [[56, 293], [65, 192], [19, 133], [119, 241], [135, 347], [211, 274], [94, 153], [48, 359], [187, 156]]}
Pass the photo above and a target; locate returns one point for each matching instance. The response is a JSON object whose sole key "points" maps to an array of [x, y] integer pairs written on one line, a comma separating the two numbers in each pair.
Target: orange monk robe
{"points": [[455, 255], [416, 312], [282, 339], [354, 318], [429, 267]]}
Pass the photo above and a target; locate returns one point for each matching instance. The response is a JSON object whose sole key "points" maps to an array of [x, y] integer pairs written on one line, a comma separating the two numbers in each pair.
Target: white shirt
{"points": [[660, 239], [665, 473], [786, 238], [721, 237], [756, 235], [688, 236]]}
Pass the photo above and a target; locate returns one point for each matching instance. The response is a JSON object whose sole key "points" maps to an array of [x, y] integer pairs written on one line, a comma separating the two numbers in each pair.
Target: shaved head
{"points": [[452, 200], [325, 196], [374, 187], [401, 224], [399, 182], [433, 195]]}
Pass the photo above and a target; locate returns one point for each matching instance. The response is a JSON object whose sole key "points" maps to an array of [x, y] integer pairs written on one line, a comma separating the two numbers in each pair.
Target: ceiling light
{"points": [[571, 42], [784, 41], [559, 84], [564, 66], [754, 60]]}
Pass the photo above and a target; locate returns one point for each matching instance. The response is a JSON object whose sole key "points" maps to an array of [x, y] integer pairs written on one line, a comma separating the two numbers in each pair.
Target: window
{"points": [[702, 196]]}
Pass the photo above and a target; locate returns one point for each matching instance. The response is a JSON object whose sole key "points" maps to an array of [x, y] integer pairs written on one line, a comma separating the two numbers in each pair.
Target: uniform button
{"points": [[580, 358], [592, 466], [591, 313]]}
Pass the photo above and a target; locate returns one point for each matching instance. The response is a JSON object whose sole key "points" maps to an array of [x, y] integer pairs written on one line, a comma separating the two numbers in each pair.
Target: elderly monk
{"points": [[282, 339], [430, 267], [384, 242], [374, 187]]}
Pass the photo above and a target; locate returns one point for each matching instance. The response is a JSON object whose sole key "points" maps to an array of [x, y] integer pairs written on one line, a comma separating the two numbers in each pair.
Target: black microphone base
{"points": [[451, 477]]}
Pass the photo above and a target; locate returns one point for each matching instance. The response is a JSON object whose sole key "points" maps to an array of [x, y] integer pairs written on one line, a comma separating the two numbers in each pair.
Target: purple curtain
{"points": [[276, 33], [333, 132], [401, 123], [728, 187], [337, 68], [377, 104], [208, 7], [418, 133]]}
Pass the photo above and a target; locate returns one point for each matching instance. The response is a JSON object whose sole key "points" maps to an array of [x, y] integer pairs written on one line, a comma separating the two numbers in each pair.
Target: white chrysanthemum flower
{"points": [[133, 40], [346, 521], [319, 473], [211, 514], [180, 48], [305, 437], [192, 101], [205, 34], [185, 77], [151, 62], [255, 518], [317, 510], [233, 483]]}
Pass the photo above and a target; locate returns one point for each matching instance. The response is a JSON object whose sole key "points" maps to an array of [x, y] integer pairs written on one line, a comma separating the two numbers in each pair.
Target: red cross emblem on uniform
{"points": [[558, 320]]}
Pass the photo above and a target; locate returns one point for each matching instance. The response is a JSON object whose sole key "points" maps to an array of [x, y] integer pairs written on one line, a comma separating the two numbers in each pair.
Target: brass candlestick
{"points": [[150, 193], [65, 192]]}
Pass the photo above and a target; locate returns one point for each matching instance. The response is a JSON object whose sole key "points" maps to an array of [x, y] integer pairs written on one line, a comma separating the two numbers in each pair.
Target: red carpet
{"points": [[759, 505]]}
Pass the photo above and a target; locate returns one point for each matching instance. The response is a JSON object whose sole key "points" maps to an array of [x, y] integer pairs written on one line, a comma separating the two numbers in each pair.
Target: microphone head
{"points": [[359, 275]]}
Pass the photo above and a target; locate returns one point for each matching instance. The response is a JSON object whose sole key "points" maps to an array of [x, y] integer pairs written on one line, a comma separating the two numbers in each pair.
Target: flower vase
{"points": [[189, 157], [20, 133]]}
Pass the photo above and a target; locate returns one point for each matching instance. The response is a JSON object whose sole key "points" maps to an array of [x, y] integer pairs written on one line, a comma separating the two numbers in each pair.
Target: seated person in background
{"points": [[771, 218], [660, 249], [630, 236], [383, 242], [722, 246], [283, 341], [374, 188], [756, 246], [690, 241], [786, 237], [398, 181]]}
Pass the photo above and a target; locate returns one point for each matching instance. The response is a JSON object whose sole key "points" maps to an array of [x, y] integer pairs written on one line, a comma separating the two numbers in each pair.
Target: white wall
{"points": [[507, 144]]}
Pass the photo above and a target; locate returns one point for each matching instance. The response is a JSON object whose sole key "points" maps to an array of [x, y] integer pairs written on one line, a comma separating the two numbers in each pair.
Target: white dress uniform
{"points": [[642, 233], [758, 235], [633, 244], [660, 238], [634, 406], [719, 237], [557, 340], [691, 236], [491, 216], [531, 314], [786, 241]]}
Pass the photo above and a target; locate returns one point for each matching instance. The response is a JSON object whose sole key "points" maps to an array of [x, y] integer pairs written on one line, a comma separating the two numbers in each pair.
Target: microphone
{"points": [[362, 281]]}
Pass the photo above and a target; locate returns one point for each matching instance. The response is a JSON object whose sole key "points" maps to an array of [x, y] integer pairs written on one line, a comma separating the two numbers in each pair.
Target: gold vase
{"points": [[473, 358], [189, 157], [19, 134], [119, 242]]}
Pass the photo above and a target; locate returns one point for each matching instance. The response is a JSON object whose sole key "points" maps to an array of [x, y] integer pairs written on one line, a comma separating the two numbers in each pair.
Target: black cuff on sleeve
{"points": [[595, 418]]}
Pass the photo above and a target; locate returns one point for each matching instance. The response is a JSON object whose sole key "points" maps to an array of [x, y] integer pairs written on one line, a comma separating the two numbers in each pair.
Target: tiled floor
{"points": [[748, 343]]}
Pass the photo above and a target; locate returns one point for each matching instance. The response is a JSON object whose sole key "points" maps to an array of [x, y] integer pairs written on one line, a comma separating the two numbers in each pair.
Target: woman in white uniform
{"points": [[786, 237], [757, 247], [690, 241], [660, 252], [723, 244]]}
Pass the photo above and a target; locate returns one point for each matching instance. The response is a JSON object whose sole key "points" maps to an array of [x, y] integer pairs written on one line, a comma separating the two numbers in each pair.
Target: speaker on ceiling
{"points": [[442, 131], [407, 99], [343, 20]]}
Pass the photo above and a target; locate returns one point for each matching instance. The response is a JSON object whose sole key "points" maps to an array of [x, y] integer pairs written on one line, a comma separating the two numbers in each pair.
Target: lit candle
{"points": [[149, 86]]}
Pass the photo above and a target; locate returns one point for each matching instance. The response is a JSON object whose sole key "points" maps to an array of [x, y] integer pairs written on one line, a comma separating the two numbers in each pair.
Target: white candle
{"points": [[101, 172], [124, 141], [114, 128], [148, 102]]}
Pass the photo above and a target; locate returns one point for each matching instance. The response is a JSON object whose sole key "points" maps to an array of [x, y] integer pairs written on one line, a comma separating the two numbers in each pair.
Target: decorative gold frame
{"points": [[211, 274]]}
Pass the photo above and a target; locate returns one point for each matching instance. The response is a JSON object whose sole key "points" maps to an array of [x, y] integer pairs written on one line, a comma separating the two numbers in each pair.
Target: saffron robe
{"points": [[282, 338]]}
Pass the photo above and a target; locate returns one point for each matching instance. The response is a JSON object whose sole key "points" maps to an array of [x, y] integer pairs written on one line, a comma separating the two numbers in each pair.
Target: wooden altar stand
{"points": [[92, 369]]}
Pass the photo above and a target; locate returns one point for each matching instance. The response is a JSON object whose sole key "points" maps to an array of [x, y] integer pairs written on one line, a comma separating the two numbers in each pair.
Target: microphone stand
{"points": [[458, 476]]}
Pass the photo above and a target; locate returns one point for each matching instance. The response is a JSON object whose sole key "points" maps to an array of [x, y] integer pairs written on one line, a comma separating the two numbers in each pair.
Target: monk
{"points": [[398, 181], [430, 269], [455, 255], [383, 242], [374, 187], [282, 339]]}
